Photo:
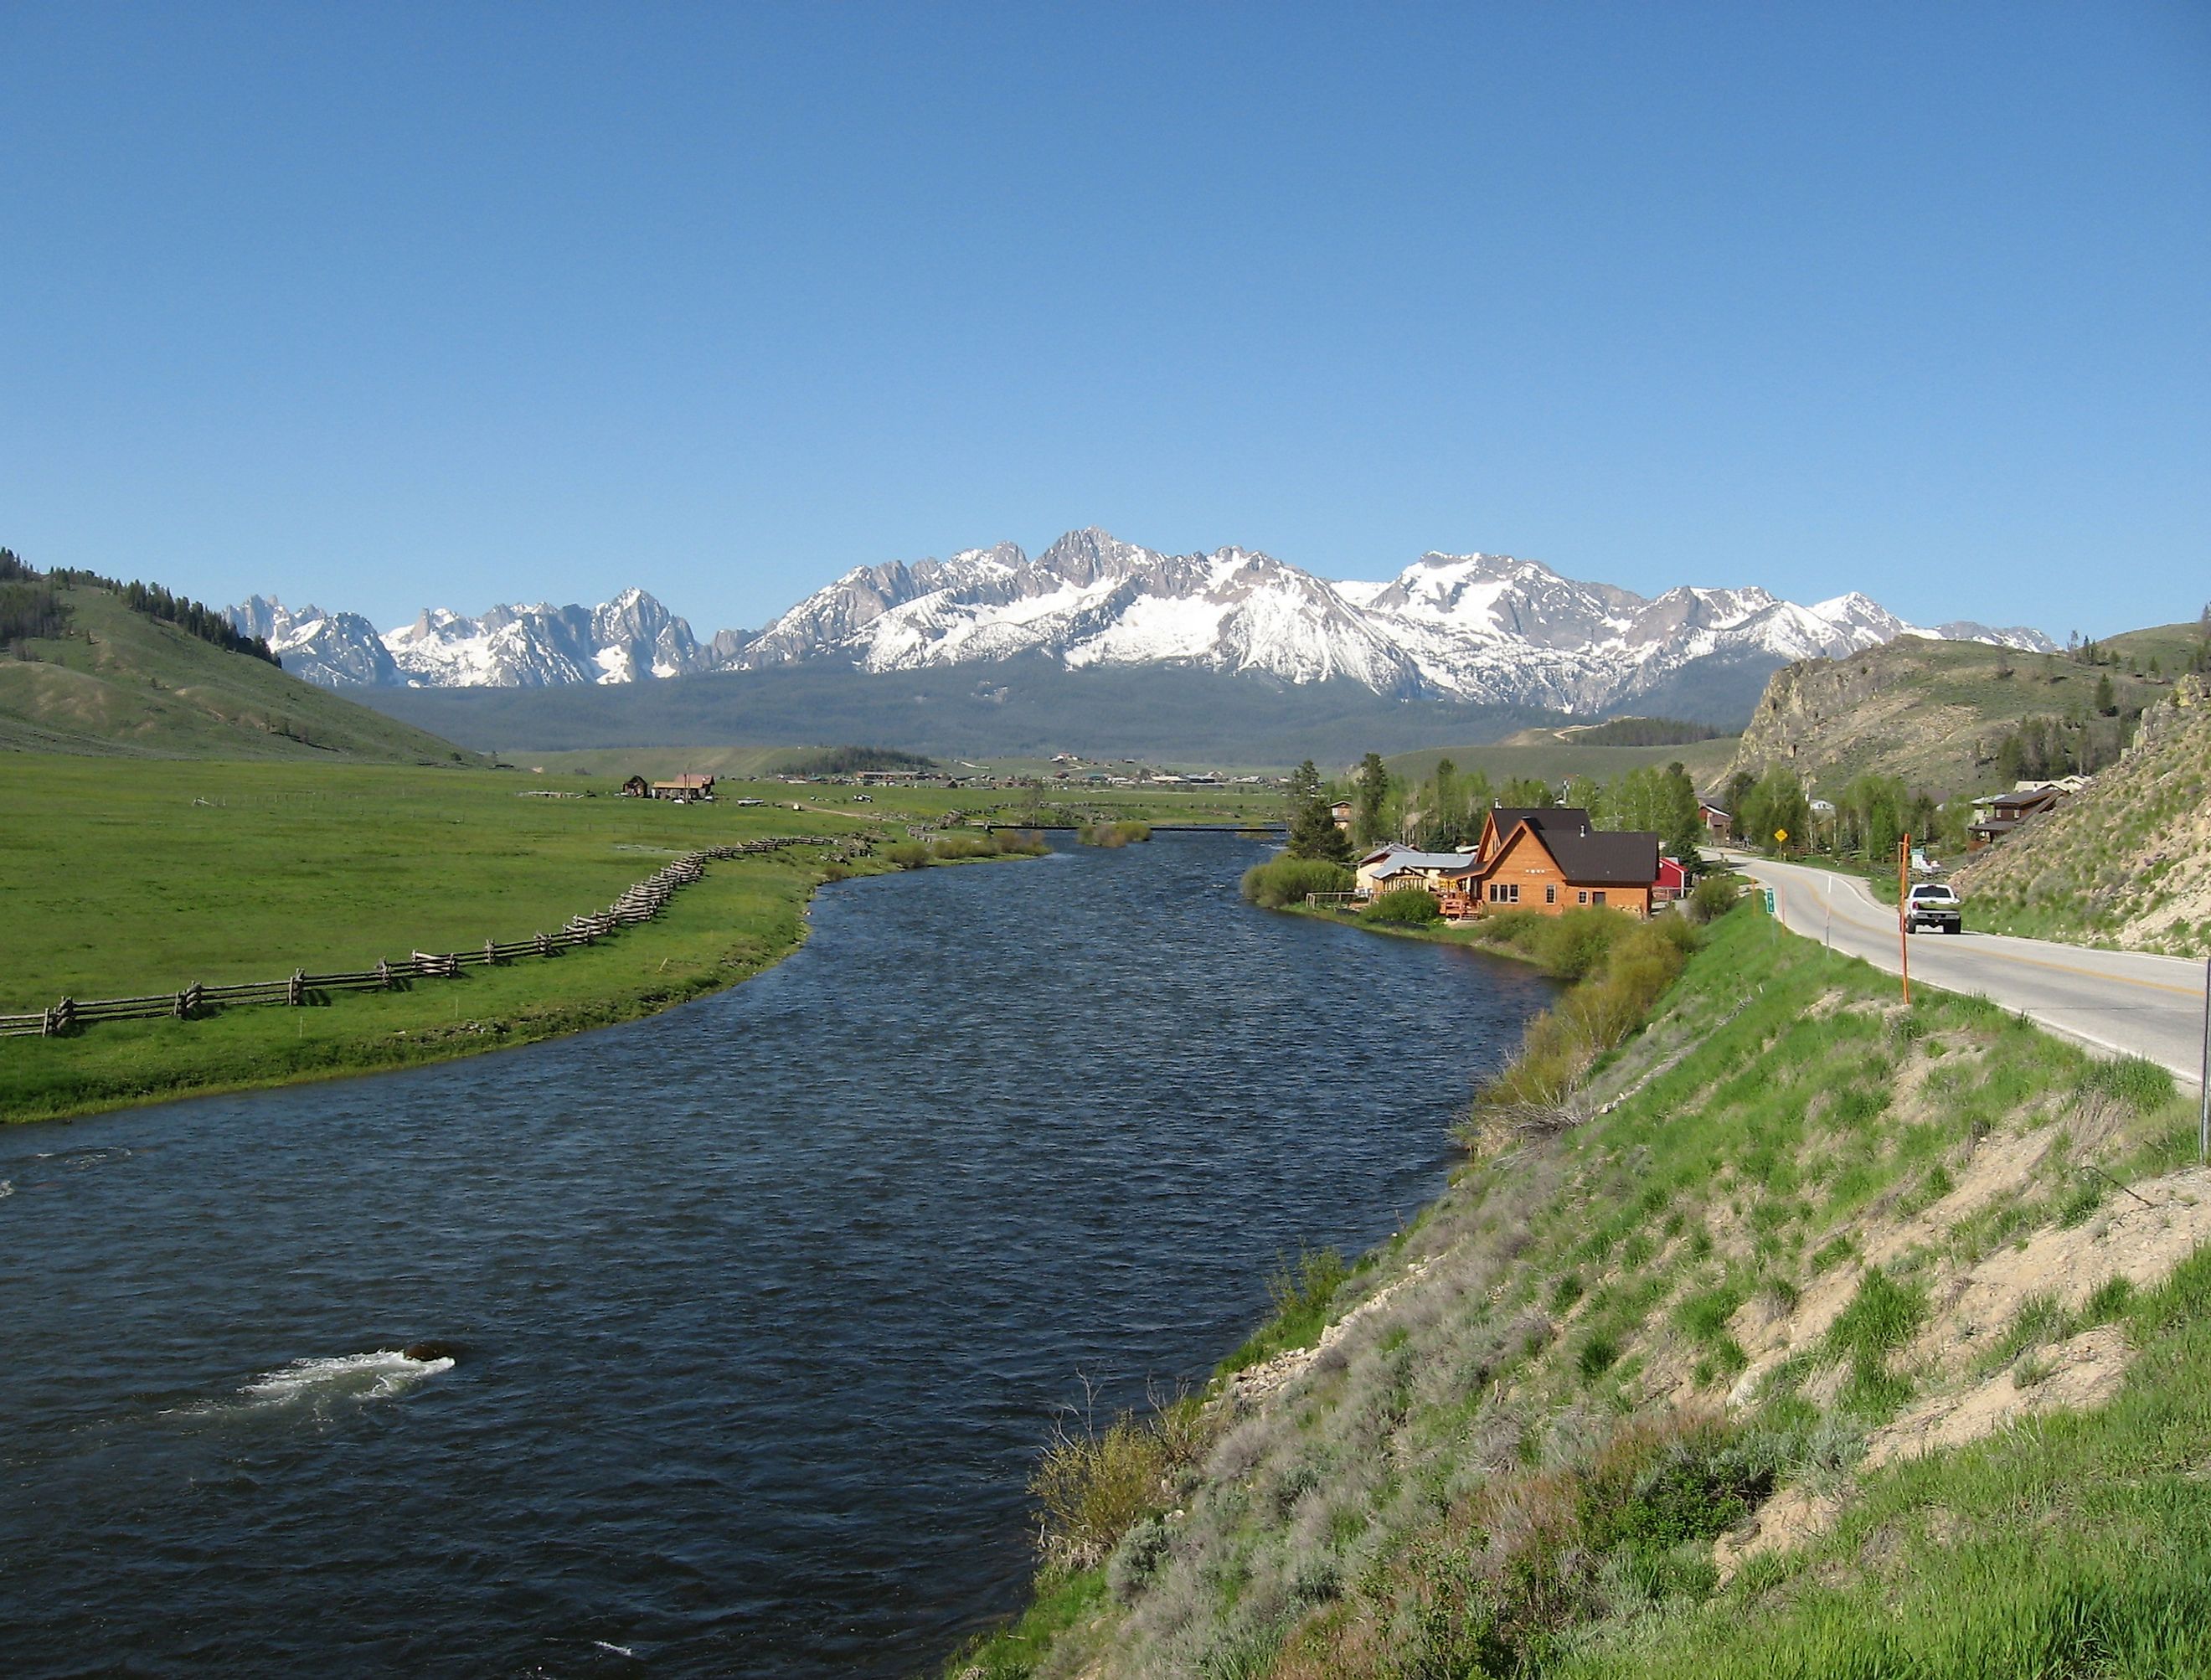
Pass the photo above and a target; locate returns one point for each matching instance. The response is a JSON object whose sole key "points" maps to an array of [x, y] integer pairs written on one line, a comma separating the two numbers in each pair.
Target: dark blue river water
{"points": [[761, 1308]]}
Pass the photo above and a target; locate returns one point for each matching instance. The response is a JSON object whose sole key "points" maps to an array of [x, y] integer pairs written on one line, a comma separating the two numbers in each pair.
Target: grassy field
{"points": [[1547, 756], [1811, 1336], [124, 879], [121, 880], [758, 762], [120, 684]]}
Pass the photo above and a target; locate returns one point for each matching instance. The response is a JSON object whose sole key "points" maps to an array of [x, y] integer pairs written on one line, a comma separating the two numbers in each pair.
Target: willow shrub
{"points": [[1624, 967], [1093, 1484], [1111, 834], [1282, 881], [1408, 905]]}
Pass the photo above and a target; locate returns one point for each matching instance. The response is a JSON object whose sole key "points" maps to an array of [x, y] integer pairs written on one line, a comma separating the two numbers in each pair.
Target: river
{"points": [[759, 1310]]}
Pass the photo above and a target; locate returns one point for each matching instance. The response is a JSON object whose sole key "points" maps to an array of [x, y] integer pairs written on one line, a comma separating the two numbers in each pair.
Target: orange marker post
{"points": [[1903, 910]]}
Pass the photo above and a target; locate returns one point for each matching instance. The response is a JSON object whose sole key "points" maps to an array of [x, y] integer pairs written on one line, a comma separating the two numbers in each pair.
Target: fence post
{"points": [[383, 974], [491, 953], [296, 992]]}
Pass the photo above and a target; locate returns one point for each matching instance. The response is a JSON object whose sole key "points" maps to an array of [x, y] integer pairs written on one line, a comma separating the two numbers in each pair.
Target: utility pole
{"points": [[1903, 910]]}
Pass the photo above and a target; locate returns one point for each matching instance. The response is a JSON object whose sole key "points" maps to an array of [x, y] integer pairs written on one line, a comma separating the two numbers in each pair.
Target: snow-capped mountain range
{"points": [[1481, 627]]}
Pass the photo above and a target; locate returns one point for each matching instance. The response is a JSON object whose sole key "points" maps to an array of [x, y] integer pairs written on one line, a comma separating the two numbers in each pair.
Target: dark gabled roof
{"points": [[1542, 818], [1588, 858]]}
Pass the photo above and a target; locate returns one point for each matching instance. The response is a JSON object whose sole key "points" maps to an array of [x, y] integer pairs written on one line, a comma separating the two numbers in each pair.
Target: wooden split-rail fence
{"points": [[639, 903]]}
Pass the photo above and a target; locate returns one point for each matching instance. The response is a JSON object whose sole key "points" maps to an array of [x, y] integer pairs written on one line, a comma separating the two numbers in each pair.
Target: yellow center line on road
{"points": [[2001, 955]]}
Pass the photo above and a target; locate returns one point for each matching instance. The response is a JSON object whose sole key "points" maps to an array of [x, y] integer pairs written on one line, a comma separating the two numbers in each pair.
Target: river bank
{"points": [[760, 1308], [256, 869], [1703, 1371]]}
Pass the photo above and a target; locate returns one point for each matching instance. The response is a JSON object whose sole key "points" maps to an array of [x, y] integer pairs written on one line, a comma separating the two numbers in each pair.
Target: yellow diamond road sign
{"points": [[1781, 834]]}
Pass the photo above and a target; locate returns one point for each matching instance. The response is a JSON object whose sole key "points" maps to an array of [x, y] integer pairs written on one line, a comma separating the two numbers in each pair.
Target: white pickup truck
{"points": [[1934, 904]]}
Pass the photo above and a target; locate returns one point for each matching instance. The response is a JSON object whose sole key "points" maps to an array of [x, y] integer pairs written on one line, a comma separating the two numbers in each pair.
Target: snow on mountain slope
{"points": [[1476, 627], [1091, 599], [333, 649], [629, 639]]}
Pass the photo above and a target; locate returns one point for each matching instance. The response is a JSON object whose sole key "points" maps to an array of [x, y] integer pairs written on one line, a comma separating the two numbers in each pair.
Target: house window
{"points": [[1550, 894], [1504, 892], [1585, 897], [1596, 897]]}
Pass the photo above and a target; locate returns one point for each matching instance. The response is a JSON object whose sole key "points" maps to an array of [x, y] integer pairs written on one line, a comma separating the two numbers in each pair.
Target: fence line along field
{"points": [[640, 903], [147, 877]]}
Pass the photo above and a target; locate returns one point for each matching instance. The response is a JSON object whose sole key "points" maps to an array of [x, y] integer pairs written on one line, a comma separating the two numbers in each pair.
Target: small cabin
{"points": [[1718, 825], [637, 788], [1341, 812], [684, 789]]}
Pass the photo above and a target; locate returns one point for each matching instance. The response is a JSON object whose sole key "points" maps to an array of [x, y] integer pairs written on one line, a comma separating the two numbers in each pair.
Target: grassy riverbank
{"points": [[121, 881], [1801, 1335]]}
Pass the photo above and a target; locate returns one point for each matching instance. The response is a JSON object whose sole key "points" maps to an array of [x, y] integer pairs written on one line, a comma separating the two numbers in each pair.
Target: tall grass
{"points": [[1093, 1483], [957, 848], [1411, 906], [1622, 967], [1285, 880]]}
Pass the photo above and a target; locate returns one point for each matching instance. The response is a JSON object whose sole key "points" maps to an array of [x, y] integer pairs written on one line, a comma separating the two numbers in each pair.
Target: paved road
{"points": [[2123, 1001]]}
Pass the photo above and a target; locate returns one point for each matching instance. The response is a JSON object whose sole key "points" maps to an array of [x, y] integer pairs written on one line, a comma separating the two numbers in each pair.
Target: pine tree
{"points": [[1370, 792], [1313, 832]]}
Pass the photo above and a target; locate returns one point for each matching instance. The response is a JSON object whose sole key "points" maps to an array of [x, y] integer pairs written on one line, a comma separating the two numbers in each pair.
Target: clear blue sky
{"points": [[381, 306]]}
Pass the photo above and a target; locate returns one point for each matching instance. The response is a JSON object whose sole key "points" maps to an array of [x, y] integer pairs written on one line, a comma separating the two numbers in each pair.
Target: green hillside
{"points": [[117, 682], [1801, 1334], [2125, 862], [1553, 755], [1940, 713], [1029, 708], [730, 763]]}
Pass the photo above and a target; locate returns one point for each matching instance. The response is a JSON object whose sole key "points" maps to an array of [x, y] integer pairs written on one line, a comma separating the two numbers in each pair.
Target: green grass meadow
{"points": [[121, 880]]}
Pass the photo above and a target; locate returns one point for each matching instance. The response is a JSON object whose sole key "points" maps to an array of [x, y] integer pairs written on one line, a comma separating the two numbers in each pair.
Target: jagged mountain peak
{"points": [[1474, 627]]}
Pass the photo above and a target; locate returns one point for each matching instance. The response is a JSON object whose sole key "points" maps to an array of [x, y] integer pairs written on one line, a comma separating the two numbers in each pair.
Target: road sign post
{"points": [[1903, 911]]}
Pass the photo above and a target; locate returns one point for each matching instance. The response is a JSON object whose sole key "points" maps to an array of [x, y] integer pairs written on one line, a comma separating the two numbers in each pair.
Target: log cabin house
{"points": [[1548, 859], [685, 788]]}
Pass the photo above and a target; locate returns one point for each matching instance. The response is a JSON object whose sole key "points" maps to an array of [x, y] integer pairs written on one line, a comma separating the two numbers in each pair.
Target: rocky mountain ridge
{"points": [[1936, 712], [1478, 628]]}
